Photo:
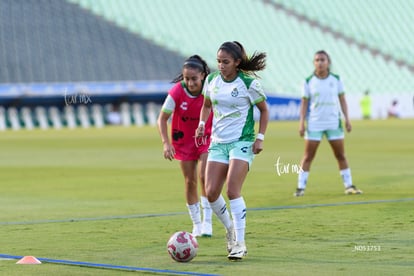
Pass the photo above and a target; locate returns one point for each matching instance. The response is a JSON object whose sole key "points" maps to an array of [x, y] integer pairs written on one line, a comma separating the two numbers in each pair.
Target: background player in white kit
{"points": [[231, 93], [322, 101]]}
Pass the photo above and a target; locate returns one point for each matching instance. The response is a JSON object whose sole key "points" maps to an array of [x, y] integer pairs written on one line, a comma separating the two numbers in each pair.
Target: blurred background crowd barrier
{"points": [[91, 63]]}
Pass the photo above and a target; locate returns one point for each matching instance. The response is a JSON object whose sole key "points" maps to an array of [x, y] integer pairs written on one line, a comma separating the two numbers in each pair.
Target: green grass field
{"points": [[78, 195]]}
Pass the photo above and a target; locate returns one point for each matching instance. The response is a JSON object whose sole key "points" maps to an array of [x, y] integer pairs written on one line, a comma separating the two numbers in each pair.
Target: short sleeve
{"points": [[256, 92], [341, 89], [169, 105], [306, 90], [206, 91]]}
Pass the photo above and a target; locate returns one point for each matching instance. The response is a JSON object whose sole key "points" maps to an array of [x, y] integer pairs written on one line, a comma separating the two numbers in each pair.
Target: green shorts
{"points": [[223, 153], [331, 134]]}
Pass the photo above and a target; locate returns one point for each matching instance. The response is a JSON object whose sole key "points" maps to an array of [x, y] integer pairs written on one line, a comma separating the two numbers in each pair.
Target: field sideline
{"points": [[107, 196]]}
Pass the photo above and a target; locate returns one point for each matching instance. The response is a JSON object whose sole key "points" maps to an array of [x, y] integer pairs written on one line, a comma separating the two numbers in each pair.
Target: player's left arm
{"points": [[263, 121], [344, 108]]}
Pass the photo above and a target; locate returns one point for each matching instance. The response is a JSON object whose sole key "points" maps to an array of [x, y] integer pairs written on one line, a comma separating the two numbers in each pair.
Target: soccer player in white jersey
{"points": [[322, 101], [231, 94]]}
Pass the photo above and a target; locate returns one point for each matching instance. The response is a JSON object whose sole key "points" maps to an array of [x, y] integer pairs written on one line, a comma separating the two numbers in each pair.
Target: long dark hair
{"points": [[250, 65], [194, 62]]}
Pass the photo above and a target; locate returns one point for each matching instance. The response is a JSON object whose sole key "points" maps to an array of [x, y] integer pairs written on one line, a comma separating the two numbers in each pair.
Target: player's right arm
{"points": [[162, 122], [302, 115], [304, 107], [204, 114], [168, 148]]}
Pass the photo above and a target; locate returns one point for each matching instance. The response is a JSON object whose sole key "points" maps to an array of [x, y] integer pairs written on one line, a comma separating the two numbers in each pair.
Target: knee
{"points": [[190, 183], [231, 194], [211, 194], [212, 197], [308, 157], [340, 157]]}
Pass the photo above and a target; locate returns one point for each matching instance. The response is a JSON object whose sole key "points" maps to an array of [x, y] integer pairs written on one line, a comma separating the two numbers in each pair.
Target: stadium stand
{"points": [[289, 41], [56, 41], [380, 25], [125, 52]]}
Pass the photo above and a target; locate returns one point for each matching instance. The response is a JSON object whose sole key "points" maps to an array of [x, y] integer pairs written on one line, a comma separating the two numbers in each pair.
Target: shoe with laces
{"points": [[352, 190], [231, 239], [238, 251]]}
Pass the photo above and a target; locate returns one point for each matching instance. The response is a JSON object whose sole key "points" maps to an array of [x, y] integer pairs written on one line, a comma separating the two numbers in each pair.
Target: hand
{"points": [[348, 126], [257, 146], [302, 130], [169, 151], [200, 131]]}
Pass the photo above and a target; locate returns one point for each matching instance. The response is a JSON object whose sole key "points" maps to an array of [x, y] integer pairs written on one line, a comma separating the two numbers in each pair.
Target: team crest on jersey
{"points": [[235, 92], [184, 106]]}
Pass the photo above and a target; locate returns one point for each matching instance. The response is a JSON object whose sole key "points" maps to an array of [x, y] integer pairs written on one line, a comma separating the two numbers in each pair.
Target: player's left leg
{"points": [[337, 146], [235, 177], [241, 157]]}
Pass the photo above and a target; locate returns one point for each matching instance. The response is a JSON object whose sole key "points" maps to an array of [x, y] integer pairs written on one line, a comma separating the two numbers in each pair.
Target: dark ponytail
{"points": [[250, 65], [194, 62]]}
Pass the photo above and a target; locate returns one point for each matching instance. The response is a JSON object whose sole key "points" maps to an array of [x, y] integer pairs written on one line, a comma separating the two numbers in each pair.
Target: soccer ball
{"points": [[182, 246]]}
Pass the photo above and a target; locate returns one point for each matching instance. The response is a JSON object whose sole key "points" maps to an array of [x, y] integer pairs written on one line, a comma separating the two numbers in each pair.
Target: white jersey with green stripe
{"points": [[324, 111], [232, 104]]}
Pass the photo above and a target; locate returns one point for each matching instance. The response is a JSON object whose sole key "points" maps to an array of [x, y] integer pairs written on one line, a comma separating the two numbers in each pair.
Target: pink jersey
{"points": [[185, 119]]}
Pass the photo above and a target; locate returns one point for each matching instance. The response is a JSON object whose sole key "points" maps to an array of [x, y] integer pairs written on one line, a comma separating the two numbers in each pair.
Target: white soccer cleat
{"points": [[231, 239], [196, 230], [238, 251], [206, 229]]}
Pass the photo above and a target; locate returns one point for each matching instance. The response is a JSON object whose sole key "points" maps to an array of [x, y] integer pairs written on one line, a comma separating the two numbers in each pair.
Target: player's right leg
{"points": [[216, 172], [189, 170], [207, 225], [312, 141]]}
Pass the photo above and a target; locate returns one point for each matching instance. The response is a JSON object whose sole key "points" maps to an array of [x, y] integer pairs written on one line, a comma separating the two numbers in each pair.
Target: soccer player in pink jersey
{"points": [[184, 102]]}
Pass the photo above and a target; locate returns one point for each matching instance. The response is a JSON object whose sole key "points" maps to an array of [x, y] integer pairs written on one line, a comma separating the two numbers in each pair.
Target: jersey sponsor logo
{"points": [[177, 134], [186, 118], [184, 106], [235, 92]]}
